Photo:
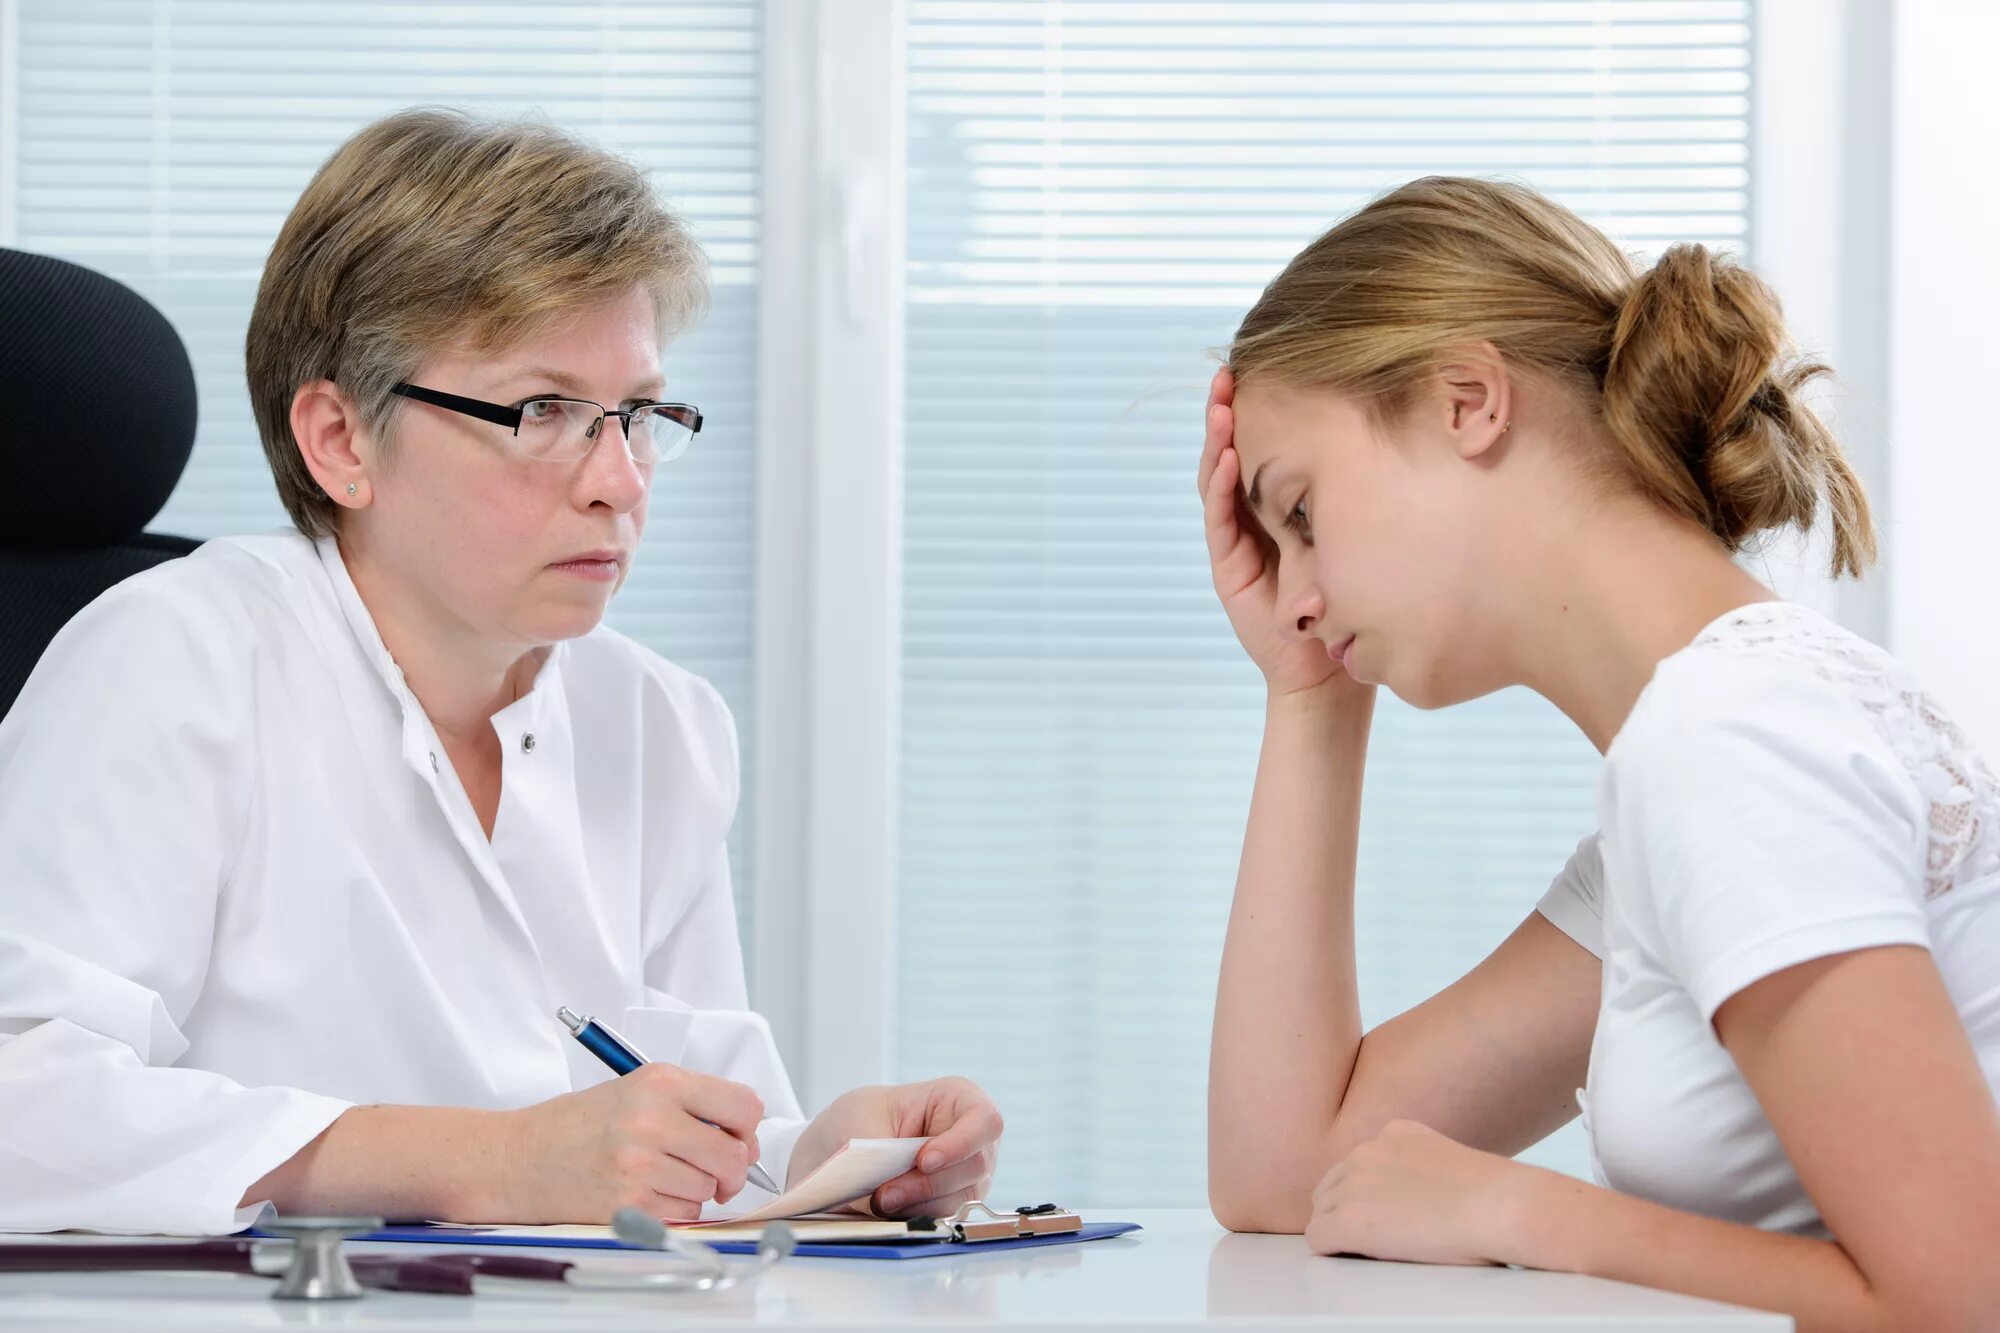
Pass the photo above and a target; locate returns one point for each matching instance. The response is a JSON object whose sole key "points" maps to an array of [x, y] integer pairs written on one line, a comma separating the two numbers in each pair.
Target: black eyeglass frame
{"points": [[500, 414]]}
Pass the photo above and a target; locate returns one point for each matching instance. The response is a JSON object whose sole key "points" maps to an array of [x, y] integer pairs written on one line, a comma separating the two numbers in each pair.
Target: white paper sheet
{"points": [[853, 1172]]}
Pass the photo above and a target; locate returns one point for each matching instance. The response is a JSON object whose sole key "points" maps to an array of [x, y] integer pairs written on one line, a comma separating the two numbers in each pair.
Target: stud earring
{"points": [[352, 489]]}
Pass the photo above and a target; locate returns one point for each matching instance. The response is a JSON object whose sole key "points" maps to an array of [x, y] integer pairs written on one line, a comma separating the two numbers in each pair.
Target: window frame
{"points": [[829, 514]]}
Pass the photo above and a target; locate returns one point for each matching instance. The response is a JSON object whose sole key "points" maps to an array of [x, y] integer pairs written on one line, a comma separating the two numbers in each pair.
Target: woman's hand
{"points": [[636, 1141], [1243, 561], [1410, 1193], [956, 1166]]}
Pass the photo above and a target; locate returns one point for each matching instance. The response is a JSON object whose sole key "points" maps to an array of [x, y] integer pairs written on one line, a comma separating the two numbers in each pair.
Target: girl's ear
{"points": [[1475, 399]]}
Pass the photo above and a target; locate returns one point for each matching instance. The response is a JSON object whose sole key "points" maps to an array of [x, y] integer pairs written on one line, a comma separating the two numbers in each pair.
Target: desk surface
{"points": [[1183, 1270]]}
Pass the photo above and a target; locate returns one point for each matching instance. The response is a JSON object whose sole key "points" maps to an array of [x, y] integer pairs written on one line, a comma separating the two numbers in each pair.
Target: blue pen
{"points": [[616, 1052]]}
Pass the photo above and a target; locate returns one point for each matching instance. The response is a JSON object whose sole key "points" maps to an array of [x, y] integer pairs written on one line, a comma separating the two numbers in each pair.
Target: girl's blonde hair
{"points": [[1687, 364], [432, 228]]}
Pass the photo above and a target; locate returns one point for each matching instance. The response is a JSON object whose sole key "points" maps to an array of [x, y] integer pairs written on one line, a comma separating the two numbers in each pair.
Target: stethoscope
{"points": [[311, 1266], [705, 1271]]}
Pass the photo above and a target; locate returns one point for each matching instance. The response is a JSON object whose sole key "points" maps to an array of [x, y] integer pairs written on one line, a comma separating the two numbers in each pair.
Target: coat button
{"points": [[434, 761], [527, 742]]}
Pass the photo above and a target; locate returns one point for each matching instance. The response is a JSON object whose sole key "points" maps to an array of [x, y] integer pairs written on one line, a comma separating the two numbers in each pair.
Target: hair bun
{"points": [[1700, 387]]}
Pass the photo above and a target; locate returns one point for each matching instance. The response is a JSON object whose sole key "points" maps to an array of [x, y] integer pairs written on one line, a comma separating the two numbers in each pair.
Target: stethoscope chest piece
{"points": [[319, 1270]]}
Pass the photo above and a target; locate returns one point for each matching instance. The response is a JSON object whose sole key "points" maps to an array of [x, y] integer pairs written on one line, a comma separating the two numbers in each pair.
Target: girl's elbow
{"points": [[1254, 1211]]}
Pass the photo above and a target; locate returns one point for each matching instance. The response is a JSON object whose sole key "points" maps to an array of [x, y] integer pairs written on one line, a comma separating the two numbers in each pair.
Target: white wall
{"points": [[1818, 235], [1943, 523]]}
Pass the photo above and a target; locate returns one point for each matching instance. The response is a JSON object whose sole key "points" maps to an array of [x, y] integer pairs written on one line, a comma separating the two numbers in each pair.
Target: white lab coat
{"points": [[241, 889]]}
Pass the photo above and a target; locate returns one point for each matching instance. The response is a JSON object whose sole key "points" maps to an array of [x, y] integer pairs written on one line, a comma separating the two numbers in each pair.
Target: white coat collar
{"points": [[419, 737]]}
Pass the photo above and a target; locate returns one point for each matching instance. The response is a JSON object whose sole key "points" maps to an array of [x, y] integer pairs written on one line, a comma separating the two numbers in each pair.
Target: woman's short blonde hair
{"points": [[433, 229], [1687, 364]]}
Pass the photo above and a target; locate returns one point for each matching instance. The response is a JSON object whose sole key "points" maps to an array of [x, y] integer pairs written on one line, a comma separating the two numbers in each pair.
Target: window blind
{"points": [[163, 144], [1097, 192]]}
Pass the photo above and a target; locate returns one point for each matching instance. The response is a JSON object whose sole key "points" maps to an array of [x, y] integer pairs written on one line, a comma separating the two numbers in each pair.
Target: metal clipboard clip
{"points": [[1043, 1219]]}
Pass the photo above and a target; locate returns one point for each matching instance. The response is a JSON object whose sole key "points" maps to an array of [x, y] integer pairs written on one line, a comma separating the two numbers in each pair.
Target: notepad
{"points": [[820, 1227], [854, 1171]]}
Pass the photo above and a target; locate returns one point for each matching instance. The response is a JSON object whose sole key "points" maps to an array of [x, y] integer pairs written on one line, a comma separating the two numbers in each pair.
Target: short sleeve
{"points": [[1574, 903], [1756, 818]]}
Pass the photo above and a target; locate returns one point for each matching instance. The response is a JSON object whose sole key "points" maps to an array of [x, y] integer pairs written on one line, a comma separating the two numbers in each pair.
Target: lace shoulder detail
{"points": [[1964, 797]]}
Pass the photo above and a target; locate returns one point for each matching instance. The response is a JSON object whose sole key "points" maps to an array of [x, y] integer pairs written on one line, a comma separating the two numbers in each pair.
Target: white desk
{"points": [[1182, 1271]]}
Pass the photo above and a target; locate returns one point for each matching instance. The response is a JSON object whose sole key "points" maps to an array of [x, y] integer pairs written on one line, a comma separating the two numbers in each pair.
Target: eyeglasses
{"points": [[562, 430]]}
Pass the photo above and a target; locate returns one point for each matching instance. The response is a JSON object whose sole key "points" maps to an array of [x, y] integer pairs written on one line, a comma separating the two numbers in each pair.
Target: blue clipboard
{"points": [[925, 1249]]}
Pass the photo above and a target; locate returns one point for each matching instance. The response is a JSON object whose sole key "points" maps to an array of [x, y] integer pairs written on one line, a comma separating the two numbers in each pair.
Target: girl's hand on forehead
{"points": [[1243, 560]]}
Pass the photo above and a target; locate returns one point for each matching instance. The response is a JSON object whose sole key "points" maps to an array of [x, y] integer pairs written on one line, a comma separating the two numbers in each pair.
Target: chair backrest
{"points": [[98, 425]]}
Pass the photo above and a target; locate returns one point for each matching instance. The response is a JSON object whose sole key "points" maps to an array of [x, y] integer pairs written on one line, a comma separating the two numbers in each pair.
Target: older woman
{"points": [[305, 838]]}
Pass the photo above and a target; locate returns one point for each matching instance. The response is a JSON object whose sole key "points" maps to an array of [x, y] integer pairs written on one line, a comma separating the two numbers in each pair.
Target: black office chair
{"points": [[96, 424]]}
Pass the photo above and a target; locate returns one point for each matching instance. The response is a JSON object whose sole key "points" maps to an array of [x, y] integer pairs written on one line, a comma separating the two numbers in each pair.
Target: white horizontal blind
{"points": [[1097, 193], [163, 142]]}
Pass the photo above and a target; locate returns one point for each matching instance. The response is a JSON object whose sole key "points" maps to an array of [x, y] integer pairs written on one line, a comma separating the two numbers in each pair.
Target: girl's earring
{"points": [[352, 489]]}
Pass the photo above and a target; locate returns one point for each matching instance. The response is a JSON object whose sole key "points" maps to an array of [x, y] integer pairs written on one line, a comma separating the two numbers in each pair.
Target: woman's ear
{"points": [[333, 442], [1477, 398]]}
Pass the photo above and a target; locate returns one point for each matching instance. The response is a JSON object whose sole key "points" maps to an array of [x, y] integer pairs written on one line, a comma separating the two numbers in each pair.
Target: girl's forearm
{"points": [[1287, 1013], [1566, 1225]]}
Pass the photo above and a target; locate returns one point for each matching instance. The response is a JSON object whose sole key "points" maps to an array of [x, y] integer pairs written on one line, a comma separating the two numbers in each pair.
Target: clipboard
{"points": [[966, 1232]]}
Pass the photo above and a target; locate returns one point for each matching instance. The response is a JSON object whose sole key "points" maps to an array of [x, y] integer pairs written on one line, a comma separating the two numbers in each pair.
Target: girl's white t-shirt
{"points": [[1782, 791]]}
